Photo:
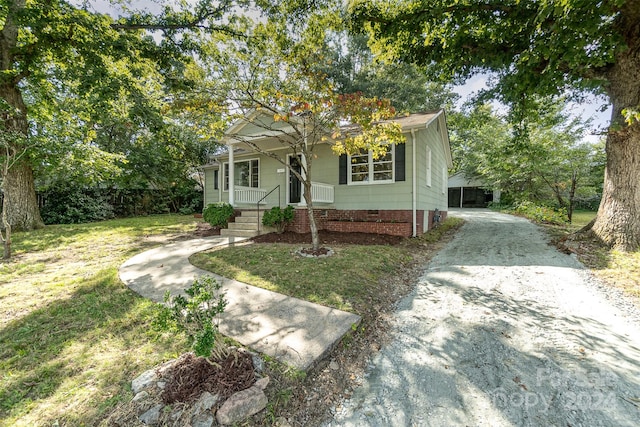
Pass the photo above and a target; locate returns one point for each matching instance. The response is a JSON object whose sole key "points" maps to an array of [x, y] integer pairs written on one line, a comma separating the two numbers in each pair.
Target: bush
{"points": [[73, 206], [278, 218], [196, 316], [542, 214], [218, 214]]}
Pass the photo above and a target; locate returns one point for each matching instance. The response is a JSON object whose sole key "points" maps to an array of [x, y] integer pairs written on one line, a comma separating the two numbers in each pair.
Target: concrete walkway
{"points": [[293, 331]]}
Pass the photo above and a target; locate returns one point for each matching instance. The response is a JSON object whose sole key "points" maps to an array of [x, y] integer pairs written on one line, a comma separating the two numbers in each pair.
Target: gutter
{"points": [[414, 198]]}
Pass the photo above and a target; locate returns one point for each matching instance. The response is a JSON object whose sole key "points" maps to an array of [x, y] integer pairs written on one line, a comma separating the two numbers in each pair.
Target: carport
{"points": [[465, 192]]}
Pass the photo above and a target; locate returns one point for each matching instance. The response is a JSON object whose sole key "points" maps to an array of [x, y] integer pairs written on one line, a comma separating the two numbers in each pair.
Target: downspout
{"points": [[414, 201], [232, 179]]}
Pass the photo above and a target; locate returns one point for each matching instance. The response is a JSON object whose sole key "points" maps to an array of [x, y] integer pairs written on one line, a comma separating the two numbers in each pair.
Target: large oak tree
{"points": [[543, 47], [41, 40]]}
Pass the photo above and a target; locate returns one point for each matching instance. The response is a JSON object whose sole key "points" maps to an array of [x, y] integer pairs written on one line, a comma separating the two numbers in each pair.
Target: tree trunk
{"points": [[20, 201], [315, 237], [572, 195], [618, 220], [20, 205]]}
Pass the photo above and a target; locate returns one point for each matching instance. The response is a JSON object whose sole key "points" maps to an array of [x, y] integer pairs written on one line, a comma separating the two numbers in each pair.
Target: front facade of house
{"points": [[396, 194]]}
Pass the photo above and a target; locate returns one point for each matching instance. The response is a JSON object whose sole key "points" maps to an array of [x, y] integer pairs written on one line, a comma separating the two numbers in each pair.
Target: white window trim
{"points": [[429, 168], [370, 163], [224, 168]]}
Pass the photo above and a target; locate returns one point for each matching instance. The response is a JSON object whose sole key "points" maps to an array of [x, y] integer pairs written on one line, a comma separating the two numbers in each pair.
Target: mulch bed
{"points": [[330, 238], [191, 376]]}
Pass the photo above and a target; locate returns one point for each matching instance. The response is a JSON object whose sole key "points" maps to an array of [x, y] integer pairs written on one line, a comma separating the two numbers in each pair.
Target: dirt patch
{"points": [[204, 229]]}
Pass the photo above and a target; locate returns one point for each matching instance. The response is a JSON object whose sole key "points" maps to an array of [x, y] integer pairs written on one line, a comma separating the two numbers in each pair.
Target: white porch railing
{"points": [[321, 193], [249, 195]]}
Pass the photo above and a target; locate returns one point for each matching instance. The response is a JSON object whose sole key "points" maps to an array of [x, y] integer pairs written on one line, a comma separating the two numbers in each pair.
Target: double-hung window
{"points": [[245, 174], [364, 169]]}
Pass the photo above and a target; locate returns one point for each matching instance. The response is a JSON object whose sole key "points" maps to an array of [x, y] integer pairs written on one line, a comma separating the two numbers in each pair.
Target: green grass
{"points": [[72, 336], [580, 218], [348, 280], [337, 281]]}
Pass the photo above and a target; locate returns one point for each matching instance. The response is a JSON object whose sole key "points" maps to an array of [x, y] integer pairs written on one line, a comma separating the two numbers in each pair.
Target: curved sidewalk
{"points": [[293, 331]]}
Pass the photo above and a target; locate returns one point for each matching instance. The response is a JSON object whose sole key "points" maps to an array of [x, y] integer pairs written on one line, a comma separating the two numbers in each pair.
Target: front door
{"points": [[295, 186]]}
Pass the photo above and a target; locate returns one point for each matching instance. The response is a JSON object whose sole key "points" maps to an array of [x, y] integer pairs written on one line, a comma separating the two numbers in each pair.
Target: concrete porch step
{"points": [[226, 232], [246, 225]]}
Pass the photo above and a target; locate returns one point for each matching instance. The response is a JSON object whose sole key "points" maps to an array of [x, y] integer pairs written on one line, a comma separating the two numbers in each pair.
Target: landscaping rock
{"points": [[144, 380], [282, 422], [140, 396], [152, 416], [205, 402], [258, 364], [202, 420], [262, 383], [241, 405], [148, 406]]}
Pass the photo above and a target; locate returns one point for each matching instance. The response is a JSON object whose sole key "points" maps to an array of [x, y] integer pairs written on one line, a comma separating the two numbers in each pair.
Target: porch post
{"points": [[461, 196], [232, 185]]}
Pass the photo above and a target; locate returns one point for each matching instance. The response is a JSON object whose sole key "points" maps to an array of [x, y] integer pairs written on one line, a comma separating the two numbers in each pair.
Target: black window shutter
{"points": [[400, 161], [342, 164], [215, 179]]}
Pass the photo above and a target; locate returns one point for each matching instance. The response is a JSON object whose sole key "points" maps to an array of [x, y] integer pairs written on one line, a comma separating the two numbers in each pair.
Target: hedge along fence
{"points": [[75, 205]]}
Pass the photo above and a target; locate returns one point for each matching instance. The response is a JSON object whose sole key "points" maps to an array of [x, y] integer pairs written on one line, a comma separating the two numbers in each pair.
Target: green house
{"points": [[402, 193]]}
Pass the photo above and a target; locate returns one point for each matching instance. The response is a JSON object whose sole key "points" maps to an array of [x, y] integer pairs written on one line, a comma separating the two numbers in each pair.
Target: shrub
{"points": [[278, 218], [196, 316], [218, 214], [542, 214], [73, 206]]}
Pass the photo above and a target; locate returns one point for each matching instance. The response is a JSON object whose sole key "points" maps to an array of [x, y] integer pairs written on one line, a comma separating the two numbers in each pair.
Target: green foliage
{"points": [[218, 214], [541, 214], [532, 46], [196, 316], [75, 205], [278, 218], [549, 164], [352, 68]]}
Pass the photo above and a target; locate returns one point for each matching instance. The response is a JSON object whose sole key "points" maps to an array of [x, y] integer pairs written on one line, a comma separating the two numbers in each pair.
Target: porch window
{"points": [[246, 173], [364, 169]]}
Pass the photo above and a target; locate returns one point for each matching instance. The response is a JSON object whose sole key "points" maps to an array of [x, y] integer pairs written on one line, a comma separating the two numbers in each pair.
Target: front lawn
{"points": [[71, 335], [344, 280]]}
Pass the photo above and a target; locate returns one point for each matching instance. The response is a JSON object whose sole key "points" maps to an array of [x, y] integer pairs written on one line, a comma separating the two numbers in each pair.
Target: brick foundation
{"points": [[393, 222], [392, 228]]}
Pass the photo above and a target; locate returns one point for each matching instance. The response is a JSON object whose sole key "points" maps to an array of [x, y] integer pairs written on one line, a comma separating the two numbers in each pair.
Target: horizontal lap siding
{"points": [[431, 197], [388, 196], [210, 193]]}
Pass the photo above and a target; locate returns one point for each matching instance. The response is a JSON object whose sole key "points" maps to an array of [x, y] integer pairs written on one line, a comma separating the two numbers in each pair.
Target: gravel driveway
{"points": [[503, 330]]}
